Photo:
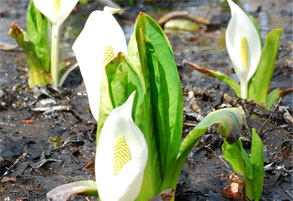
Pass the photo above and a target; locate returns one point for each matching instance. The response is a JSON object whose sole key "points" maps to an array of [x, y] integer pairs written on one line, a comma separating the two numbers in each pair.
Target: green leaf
{"points": [[257, 162], [251, 168], [160, 72], [37, 26], [37, 75], [232, 154], [83, 2], [116, 86], [259, 84], [65, 191], [272, 97], [239, 160], [230, 121], [229, 81]]}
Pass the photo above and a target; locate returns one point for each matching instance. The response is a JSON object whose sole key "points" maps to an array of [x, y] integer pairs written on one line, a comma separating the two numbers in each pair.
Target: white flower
{"points": [[243, 45], [121, 156], [101, 39], [55, 10]]}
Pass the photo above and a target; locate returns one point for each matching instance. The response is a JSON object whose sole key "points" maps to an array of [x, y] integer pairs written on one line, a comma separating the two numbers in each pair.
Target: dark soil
{"points": [[47, 137]]}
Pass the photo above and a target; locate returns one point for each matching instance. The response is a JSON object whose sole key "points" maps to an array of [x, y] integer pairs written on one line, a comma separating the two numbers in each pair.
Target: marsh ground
{"points": [[42, 146]]}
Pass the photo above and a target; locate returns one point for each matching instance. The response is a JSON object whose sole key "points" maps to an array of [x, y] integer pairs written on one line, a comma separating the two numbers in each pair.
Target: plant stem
{"points": [[243, 87], [55, 54]]}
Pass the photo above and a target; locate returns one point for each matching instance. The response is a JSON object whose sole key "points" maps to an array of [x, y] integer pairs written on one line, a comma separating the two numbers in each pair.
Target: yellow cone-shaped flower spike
{"points": [[121, 153], [243, 52], [56, 7]]}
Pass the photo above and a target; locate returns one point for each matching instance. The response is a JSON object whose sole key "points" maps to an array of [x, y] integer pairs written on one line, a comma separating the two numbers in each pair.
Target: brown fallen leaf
{"points": [[65, 191], [7, 47], [235, 189], [165, 195], [182, 14], [27, 121], [6, 179], [91, 166]]}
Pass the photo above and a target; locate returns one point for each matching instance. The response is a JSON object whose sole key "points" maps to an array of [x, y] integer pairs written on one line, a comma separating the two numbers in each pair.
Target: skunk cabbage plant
{"points": [[253, 63], [252, 168], [149, 69], [56, 11], [243, 46], [100, 39], [42, 52]]}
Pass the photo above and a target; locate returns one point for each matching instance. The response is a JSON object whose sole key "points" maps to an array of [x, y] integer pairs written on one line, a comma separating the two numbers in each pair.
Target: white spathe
{"points": [[100, 31], [126, 184], [241, 26], [55, 10]]}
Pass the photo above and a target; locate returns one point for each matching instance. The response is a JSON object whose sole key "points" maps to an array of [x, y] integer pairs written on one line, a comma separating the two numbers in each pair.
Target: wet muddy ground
{"points": [[47, 137]]}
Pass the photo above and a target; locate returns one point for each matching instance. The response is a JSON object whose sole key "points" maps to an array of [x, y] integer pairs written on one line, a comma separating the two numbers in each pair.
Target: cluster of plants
{"points": [[253, 59], [135, 95]]}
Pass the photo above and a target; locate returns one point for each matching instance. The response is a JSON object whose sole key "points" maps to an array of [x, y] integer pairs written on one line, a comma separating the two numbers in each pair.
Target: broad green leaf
{"points": [[257, 162], [133, 53], [251, 168], [272, 97], [37, 25], [230, 121], [275, 95], [144, 120], [159, 67], [106, 105], [117, 80], [37, 75], [239, 160], [64, 192], [232, 154], [259, 83], [229, 81]]}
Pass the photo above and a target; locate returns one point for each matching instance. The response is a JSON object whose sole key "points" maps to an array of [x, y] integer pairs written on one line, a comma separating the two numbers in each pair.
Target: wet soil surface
{"points": [[47, 137]]}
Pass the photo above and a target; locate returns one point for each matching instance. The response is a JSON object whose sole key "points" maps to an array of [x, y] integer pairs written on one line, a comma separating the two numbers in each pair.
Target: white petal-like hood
{"points": [[100, 31], [241, 26], [124, 186], [47, 8]]}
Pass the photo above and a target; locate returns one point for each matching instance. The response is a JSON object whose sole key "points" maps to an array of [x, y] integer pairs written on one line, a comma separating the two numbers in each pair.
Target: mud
{"points": [[47, 137]]}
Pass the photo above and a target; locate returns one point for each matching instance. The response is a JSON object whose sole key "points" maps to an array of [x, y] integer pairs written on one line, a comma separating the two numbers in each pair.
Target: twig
{"points": [[189, 124], [217, 156], [14, 164], [47, 110], [266, 121], [245, 119]]}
